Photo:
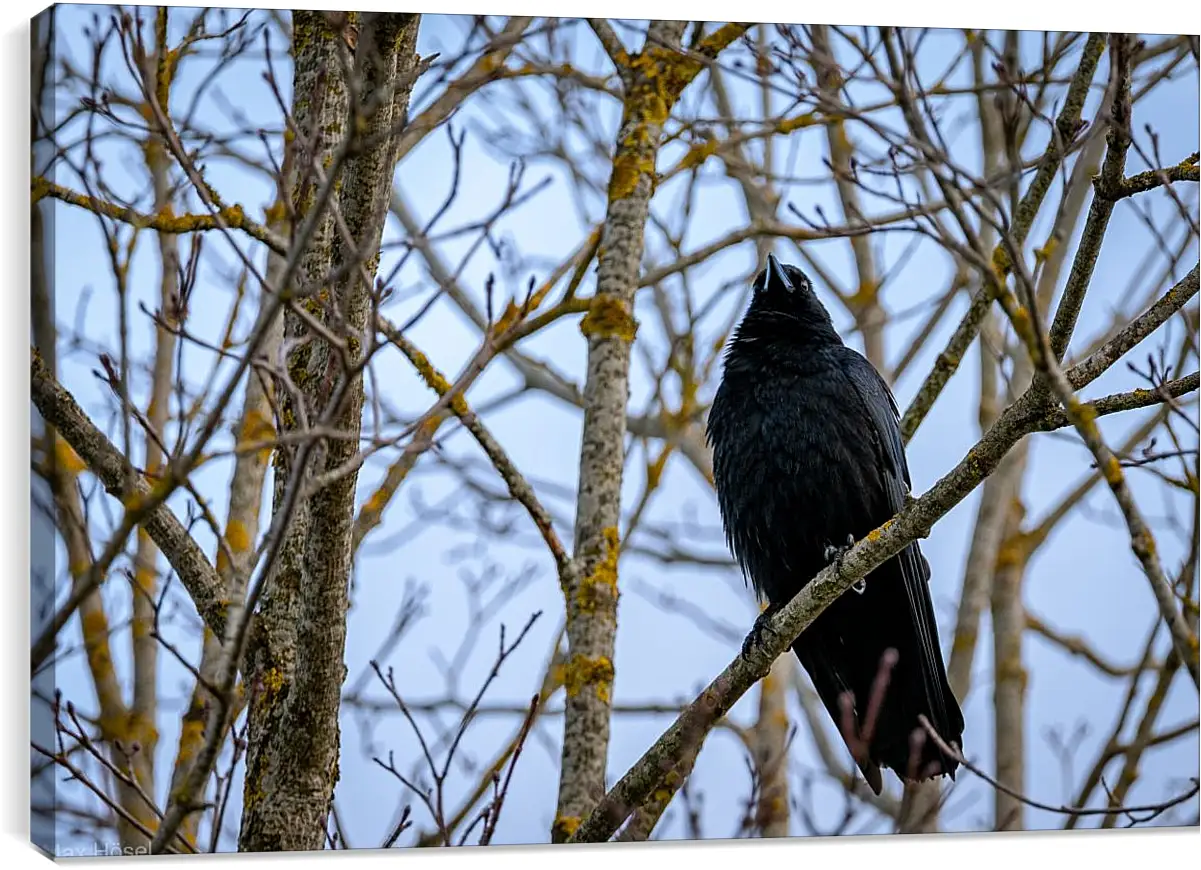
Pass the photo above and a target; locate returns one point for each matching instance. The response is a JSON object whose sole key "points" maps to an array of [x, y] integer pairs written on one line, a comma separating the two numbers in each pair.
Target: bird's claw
{"points": [[834, 554], [762, 626]]}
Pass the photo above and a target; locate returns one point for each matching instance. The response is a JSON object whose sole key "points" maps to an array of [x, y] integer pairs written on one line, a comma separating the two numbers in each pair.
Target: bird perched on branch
{"points": [[807, 458]]}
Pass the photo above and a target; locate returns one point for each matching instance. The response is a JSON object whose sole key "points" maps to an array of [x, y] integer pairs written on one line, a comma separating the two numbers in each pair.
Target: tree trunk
{"points": [[297, 668]]}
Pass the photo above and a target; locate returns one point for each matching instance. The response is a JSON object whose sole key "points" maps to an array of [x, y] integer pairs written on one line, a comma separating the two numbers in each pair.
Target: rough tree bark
{"points": [[298, 670], [653, 80]]}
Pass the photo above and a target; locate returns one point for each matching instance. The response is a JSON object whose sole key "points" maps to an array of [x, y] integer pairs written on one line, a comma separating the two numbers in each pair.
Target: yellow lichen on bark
{"points": [[699, 153], [600, 586], [565, 826], [865, 294], [628, 168], [237, 538], [800, 122], [68, 460], [257, 426], [607, 317], [582, 671]]}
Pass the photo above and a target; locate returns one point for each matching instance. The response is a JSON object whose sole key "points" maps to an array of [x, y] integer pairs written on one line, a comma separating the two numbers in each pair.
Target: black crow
{"points": [[807, 458]]}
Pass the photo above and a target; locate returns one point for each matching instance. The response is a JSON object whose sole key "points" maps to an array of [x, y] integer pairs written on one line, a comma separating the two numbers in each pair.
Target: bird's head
{"points": [[784, 306], [781, 280]]}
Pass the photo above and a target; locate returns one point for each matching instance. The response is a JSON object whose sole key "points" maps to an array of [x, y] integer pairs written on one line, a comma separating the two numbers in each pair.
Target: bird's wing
{"points": [[881, 411]]}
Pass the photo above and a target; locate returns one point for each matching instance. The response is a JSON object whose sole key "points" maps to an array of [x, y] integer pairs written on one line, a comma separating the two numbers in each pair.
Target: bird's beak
{"points": [[776, 274]]}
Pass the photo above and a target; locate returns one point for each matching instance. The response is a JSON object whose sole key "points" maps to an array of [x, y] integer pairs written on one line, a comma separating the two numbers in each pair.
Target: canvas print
{"points": [[459, 430]]}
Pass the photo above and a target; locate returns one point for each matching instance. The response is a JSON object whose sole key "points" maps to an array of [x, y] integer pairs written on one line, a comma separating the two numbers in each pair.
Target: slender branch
{"points": [[1153, 810], [224, 217], [1068, 125], [59, 408]]}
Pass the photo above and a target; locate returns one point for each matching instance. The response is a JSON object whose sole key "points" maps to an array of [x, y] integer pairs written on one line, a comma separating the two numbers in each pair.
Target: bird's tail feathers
{"points": [[875, 700]]}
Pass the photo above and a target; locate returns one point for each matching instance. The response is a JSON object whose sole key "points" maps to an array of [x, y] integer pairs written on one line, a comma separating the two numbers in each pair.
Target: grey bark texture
{"points": [[298, 670], [653, 82]]}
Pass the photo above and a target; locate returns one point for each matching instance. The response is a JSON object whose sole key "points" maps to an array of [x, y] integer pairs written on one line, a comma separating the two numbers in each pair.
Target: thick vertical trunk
{"points": [[297, 669], [653, 81], [609, 327]]}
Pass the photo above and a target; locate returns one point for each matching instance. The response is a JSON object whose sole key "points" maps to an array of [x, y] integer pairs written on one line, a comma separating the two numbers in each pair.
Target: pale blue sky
{"points": [[1084, 581]]}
